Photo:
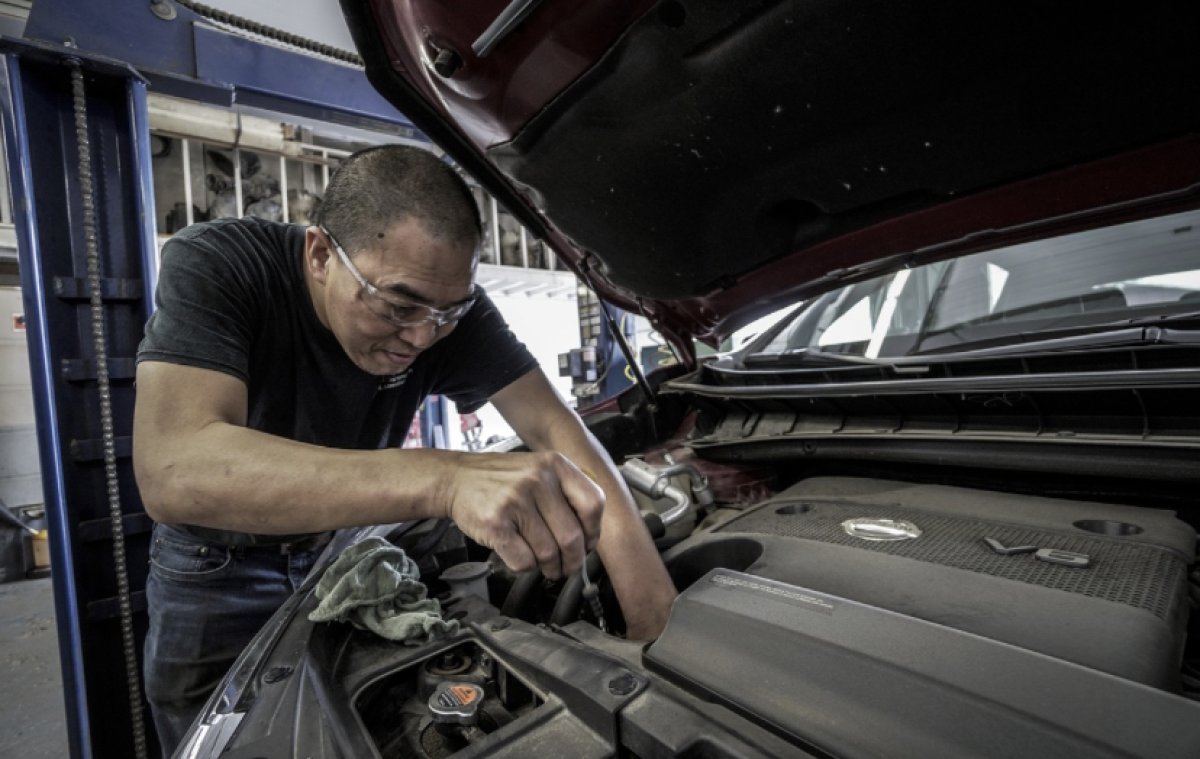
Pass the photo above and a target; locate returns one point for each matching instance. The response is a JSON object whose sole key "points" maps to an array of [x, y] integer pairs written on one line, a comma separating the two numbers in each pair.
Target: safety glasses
{"points": [[398, 310]]}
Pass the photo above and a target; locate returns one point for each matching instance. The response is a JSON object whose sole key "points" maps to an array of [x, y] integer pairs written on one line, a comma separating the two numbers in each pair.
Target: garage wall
{"points": [[20, 470], [548, 326]]}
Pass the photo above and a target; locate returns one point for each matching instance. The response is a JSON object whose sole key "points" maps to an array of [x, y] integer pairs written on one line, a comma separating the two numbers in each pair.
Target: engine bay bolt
{"points": [[450, 663], [447, 62], [275, 674], [623, 685], [163, 9]]}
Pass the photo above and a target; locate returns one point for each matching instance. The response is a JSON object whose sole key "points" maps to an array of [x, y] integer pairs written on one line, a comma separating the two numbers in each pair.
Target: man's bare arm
{"points": [[641, 581], [197, 463]]}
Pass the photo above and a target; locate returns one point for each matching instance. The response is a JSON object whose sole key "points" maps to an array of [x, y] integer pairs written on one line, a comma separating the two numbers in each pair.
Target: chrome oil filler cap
{"points": [[880, 529]]}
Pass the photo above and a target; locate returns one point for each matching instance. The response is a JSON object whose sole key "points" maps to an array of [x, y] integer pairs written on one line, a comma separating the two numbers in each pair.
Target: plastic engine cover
{"points": [[1100, 585]]}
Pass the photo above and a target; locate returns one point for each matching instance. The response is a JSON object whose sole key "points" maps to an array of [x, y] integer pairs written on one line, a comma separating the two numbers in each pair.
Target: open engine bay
{"points": [[827, 608], [946, 508]]}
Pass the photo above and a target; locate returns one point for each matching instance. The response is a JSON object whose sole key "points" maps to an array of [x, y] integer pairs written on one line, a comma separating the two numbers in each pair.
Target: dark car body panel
{"points": [[712, 159]]}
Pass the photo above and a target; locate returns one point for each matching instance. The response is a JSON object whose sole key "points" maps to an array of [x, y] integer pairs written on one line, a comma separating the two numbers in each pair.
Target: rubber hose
{"points": [[566, 609], [520, 597]]}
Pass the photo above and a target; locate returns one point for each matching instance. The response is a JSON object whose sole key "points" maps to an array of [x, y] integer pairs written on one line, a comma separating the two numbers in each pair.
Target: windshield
{"points": [[1141, 269]]}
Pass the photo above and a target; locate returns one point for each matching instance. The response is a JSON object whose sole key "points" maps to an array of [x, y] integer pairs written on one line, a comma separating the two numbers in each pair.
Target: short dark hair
{"points": [[378, 186]]}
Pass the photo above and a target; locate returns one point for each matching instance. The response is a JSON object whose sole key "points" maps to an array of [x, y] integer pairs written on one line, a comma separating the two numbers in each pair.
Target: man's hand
{"points": [[535, 510], [631, 560]]}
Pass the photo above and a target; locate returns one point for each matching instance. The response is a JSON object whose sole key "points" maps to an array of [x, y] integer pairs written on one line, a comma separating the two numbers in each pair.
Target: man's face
{"points": [[405, 265]]}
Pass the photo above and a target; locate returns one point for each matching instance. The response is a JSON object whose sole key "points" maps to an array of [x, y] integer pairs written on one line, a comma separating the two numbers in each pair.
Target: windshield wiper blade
{"points": [[1130, 332], [1110, 336], [806, 357]]}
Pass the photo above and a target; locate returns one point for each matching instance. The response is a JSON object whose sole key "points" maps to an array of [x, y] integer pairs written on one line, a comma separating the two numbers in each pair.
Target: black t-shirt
{"points": [[232, 297]]}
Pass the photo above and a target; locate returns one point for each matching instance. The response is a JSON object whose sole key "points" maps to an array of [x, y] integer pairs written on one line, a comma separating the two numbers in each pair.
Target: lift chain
{"points": [[270, 32], [99, 340]]}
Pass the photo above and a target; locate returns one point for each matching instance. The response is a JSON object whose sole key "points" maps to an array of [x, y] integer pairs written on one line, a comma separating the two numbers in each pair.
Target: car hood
{"points": [[705, 162]]}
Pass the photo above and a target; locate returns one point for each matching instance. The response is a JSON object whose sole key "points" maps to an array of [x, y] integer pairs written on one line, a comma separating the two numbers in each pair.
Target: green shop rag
{"points": [[374, 586]]}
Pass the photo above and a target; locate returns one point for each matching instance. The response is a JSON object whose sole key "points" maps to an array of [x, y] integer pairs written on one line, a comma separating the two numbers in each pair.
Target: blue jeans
{"points": [[206, 601]]}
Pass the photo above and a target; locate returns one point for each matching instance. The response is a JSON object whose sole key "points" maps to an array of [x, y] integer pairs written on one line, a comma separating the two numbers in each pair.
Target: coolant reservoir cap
{"points": [[875, 528], [456, 702]]}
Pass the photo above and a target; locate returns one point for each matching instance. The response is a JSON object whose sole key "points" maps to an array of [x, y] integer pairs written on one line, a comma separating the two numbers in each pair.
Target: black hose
{"points": [[654, 524], [566, 609], [521, 599], [9, 517]]}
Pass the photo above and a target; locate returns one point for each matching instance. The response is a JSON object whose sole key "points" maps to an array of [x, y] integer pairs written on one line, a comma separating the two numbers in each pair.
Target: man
{"points": [[277, 379]]}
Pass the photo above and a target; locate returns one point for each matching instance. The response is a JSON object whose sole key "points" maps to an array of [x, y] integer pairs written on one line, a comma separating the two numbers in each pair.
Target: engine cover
{"points": [[1096, 584]]}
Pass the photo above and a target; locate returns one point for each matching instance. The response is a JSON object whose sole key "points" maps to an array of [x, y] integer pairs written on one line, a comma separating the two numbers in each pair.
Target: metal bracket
{"points": [[76, 288], [84, 369]]}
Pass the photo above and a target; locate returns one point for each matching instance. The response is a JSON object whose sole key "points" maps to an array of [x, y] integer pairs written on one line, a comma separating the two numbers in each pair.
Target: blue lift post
{"points": [[43, 159], [124, 50]]}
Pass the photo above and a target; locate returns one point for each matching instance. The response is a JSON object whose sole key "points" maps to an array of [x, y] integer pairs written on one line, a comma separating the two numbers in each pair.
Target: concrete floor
{"points": [[32, 716]]}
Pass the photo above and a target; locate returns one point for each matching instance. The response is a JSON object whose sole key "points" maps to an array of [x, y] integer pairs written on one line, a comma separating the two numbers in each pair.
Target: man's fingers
{"points": [[563, 525], [515, 553], [585, 498], [522, 539], [542, 542], [537, 510]]}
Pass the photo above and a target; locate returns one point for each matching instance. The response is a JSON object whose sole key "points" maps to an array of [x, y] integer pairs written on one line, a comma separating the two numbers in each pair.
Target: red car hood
{"points": [[705, 162]]}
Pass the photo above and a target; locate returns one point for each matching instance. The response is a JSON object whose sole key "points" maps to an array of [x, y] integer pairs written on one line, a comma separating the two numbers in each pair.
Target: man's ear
{"points": [[317, 253]]}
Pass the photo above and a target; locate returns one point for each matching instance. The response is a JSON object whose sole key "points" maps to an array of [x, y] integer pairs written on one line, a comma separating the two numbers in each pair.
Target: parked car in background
{"points": [[945, 506]]}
